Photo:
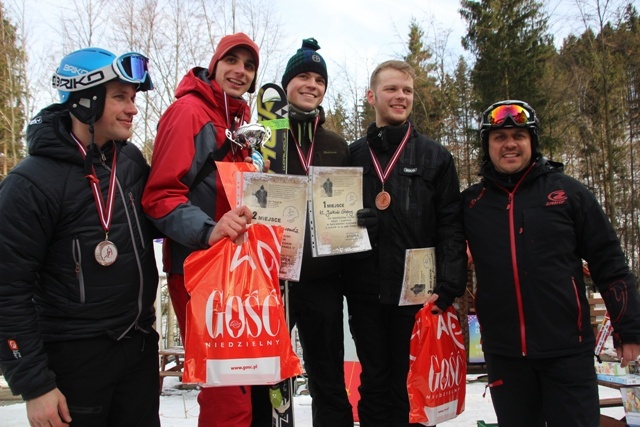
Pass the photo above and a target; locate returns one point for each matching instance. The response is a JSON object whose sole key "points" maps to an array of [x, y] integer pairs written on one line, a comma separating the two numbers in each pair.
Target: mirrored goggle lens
{"points": [[518, 114], [134, 67]]}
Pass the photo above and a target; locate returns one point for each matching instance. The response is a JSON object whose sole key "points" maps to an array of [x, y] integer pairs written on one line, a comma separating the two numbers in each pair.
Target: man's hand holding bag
{"points": [[437, 367], [236, 328]]}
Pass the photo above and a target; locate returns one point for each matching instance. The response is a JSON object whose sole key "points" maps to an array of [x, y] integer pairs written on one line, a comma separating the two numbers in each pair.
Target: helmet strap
{"points": [[87, 105]]}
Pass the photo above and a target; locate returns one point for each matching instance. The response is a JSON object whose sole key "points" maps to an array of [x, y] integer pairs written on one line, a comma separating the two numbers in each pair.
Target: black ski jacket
{"points": [[425, 212], [527, 239], [51, 286]]}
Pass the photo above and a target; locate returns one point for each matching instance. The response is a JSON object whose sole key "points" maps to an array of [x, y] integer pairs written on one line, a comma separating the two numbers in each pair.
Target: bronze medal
{"points": [[383, 200], [106, 253]]}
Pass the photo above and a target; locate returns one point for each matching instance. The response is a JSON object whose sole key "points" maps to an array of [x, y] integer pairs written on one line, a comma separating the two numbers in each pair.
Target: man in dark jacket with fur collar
{"points": [[529, 227]]}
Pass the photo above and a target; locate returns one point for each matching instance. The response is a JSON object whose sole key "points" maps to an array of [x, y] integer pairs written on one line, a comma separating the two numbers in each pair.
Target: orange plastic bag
{"points": [[236, 329], [437, 368]]}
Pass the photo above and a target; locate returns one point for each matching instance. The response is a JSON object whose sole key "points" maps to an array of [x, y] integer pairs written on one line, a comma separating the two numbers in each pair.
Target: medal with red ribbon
{"points": [[106, 251], [306, 162], [383, 198]]}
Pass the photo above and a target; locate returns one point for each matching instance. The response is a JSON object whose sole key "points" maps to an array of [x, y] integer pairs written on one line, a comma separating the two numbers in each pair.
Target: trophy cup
{"points": [[251, 137]]}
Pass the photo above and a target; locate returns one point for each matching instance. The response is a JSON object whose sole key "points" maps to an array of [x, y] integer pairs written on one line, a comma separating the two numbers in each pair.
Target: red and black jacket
{"points": [[190, 131], [528, 236]]}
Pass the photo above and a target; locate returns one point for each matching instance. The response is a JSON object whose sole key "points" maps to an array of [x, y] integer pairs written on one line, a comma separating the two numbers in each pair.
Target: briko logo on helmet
{"points": [[81, 76], [83, 81], [74, 70]]}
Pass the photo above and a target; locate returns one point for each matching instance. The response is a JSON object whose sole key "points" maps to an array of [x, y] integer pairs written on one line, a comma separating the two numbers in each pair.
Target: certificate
{"points": [[419, 276], [278, 200], [335, 195]]}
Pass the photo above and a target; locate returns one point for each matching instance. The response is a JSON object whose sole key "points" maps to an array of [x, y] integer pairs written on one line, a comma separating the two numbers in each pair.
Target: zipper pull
{"points": [[493, 384]]}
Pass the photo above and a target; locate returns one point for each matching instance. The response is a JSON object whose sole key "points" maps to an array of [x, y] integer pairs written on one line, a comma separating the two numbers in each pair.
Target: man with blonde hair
{"points": [[411, 199]]}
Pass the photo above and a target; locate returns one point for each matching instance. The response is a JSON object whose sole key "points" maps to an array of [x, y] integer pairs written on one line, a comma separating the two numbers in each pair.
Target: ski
{"points": [[273, 112]]}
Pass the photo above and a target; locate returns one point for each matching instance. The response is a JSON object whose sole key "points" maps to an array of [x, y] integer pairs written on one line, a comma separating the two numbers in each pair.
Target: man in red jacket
{"points": [[184, 196]]}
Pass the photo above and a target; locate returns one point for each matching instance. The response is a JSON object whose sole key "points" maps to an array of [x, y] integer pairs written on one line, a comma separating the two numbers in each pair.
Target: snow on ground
{"points": [[179, 408]]}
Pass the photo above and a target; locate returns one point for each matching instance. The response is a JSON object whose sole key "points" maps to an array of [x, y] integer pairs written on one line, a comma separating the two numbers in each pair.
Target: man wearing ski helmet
{"points": [[529, 227], [316, 300], [78, 276], [185, 197]]}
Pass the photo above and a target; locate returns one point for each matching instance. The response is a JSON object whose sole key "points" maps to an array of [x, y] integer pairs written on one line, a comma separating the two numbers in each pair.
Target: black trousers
{"points": [[382, 334], [261, 409], [316, 309], [561, 391], [109, 383]]}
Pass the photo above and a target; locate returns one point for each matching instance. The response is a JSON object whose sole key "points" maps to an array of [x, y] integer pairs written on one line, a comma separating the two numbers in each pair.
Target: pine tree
{"points": [[427, 114], [336, 119], [510, 42], [465, 122]]}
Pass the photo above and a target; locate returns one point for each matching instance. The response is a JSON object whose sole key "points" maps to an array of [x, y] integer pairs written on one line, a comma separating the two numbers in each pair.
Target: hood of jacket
{"points": [[236, 111], [48, 135]]}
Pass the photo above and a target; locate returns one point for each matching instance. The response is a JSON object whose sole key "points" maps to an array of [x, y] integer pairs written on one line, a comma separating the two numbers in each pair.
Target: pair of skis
{"points": [[273, 112]]}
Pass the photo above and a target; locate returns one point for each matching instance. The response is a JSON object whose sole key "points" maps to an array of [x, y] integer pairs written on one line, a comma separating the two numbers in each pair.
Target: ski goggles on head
{"points": [[498, 116], [130, 67], [133, 67]]}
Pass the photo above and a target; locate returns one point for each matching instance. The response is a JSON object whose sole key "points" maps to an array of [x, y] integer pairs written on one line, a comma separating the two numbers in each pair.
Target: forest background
{"points": [[585, 88]]}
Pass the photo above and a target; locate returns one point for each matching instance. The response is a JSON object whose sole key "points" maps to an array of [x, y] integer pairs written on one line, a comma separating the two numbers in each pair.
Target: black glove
{"points": [[368, 218]]}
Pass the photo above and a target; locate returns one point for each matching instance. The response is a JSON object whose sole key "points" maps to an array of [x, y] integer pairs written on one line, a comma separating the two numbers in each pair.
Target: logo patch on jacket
{"points": [[13, 345], [557, 197], [473, 202]]}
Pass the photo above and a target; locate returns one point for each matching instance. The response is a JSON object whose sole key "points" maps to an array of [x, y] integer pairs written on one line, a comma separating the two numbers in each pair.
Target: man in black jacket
{"points": [[77, 271], [411, 199], [316, 300], [529, 227]]}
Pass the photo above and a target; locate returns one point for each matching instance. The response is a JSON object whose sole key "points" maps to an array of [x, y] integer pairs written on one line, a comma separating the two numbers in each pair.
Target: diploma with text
{"points": [[335, 195], [277, 199]]}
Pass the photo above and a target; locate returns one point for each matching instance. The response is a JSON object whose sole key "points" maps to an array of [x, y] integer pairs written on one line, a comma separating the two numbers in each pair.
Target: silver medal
{"points": [[106, 253]]}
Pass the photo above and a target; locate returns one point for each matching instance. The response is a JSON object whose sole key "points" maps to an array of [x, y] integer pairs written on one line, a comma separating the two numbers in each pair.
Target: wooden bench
{"points": [[173, 356], [597, 311], [607, 421], [610, 402]]}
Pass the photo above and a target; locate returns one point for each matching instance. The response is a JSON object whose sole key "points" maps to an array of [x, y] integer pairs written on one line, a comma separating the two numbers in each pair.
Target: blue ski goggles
{"points": [[131, 67]]}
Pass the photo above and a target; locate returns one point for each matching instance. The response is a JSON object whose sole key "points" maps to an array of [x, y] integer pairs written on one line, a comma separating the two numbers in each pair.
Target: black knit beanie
{"points": [[305, 60]]}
